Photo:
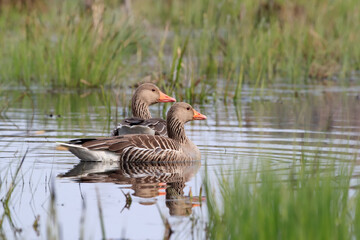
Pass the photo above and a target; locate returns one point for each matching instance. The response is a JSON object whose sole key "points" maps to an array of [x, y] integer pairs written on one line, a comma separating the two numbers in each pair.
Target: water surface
{"points": [[281, 126]]}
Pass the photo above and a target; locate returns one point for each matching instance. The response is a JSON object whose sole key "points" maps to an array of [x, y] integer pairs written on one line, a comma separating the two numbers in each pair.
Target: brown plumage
{"points": [[142, 122], [144, 148]]}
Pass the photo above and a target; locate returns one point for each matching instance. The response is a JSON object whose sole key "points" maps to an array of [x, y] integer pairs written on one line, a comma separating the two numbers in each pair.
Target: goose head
{"points": [[184, 113], [150, 94]]}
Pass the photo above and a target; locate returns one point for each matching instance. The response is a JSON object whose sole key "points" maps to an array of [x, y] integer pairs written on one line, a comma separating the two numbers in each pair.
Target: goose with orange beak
{"points": [[142, 147], [142, 123]]}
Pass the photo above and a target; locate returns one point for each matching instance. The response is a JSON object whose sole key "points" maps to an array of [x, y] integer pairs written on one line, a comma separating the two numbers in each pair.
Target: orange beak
{"points": [[165, 98], [198, 116]]}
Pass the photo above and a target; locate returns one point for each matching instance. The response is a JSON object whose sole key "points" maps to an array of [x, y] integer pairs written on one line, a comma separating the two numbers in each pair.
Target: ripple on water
{"points": [[277, 127]]}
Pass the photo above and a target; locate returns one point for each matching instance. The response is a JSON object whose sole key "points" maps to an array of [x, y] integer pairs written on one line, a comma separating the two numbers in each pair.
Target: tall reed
{"points": [[305, 203], [61, 47], [199, 46], [261, 42]]}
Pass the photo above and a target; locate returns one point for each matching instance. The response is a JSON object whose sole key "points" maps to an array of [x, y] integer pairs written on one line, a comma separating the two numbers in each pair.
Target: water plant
{"points": [[261, 41], [193, 47], [6, 214], [53, 230], [61, 46], [302, 203]]}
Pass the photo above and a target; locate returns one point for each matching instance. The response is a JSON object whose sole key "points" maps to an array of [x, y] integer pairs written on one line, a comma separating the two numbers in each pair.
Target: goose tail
{"points": [[87, 155]]}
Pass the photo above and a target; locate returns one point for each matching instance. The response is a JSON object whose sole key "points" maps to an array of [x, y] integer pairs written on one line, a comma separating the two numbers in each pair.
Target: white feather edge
{"points": [[136, 129], [87, 155]]}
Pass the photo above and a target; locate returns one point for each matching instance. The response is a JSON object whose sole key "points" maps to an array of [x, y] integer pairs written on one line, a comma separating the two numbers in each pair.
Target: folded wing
{"points": [[133, 148], [152, 126]]}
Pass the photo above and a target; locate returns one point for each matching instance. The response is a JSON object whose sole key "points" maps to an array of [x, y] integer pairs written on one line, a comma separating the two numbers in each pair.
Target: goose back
{"points": [[152, 126]]}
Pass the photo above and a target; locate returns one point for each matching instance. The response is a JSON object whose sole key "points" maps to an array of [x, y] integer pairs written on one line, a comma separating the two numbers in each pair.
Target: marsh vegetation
{"points": [[188, 47], [300, 203], [279, 161]]}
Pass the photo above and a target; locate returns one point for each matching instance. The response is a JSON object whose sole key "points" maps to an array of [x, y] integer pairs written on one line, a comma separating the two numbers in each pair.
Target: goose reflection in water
{"points": [[148, 180]]}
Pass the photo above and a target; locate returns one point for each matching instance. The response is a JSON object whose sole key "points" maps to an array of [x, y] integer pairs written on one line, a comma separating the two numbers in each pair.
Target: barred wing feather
{"points": [[134, 148]]}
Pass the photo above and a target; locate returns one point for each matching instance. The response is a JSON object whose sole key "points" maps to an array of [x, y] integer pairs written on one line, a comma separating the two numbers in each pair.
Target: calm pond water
{"points": [[279, 125]]}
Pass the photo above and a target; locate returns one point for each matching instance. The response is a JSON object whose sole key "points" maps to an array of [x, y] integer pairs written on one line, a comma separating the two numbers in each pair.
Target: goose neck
{"points": [[176, 130], [139, 108]]}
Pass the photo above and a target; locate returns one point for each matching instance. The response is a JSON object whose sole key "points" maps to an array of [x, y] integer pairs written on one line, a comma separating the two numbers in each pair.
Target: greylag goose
{"points": [[141, 122], [143, 147]]}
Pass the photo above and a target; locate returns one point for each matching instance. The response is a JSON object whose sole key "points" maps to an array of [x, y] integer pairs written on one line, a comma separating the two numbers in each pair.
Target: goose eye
{"points": [[153, 90], [188, 108]]}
